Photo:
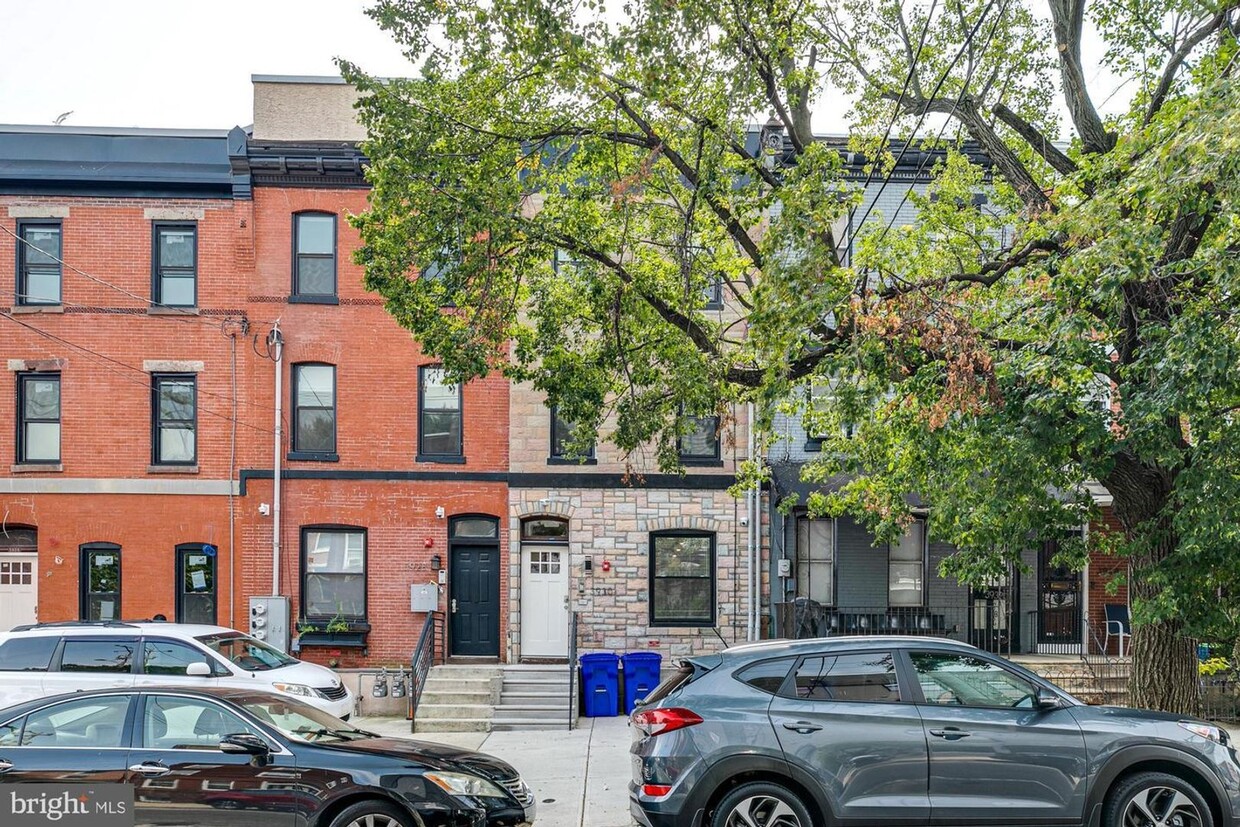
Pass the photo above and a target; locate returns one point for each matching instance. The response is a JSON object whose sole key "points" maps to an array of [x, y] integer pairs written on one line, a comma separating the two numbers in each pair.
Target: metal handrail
{"points": [[420, 663], [1101, 666], [572, 670]]}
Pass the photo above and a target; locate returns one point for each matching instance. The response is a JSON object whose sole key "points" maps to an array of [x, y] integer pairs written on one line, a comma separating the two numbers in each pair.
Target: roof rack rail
{"points": [[69, 624]]}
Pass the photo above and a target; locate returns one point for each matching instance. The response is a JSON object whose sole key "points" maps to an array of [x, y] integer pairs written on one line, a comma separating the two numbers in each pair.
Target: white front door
{"points": [[544, 601], [19, 589]]}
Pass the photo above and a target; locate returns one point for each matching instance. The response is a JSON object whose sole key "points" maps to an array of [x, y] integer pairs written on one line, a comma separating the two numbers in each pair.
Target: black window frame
{"points": [[652, 580], [158, 270], [301, 595], [714, 458], [423, 455], [296, 294], [557, 455], [22, 266], [85, 552], [713, 293], [298, 451], [22, 420], [157, 421]]}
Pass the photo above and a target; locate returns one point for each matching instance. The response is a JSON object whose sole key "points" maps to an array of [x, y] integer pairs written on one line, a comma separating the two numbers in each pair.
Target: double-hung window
{"points": [[816, 559], [174, 419], [38, 417], [439, 426], [174, 264], [314, 256], [333, 573], [562, 435], [682, 578], [39, 271], [314, 400], [906, 567], [700, 440]]}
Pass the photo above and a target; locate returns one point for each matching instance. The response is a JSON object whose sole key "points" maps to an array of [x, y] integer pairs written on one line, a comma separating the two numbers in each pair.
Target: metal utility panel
{"points": [[269, 621], [423, 597]]}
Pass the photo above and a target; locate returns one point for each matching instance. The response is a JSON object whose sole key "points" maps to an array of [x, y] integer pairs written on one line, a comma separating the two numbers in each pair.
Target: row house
{"points": [[832, 576]]}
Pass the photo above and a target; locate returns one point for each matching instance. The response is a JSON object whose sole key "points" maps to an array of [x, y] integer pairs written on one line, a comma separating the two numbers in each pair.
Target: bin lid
{"points": [[599, 657]]}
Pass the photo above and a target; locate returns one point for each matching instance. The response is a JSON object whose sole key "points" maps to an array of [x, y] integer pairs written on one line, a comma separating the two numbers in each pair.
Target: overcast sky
{"points": [[183, 64]]}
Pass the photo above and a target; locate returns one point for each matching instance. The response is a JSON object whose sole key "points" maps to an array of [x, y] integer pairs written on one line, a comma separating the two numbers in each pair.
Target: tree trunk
{"points": [[1164, 659]]}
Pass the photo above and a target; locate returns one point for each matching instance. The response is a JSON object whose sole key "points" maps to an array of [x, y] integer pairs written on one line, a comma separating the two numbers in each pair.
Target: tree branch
{"points": [[989, 273], [1192, 41], [1067, 22], [1040, 143]]}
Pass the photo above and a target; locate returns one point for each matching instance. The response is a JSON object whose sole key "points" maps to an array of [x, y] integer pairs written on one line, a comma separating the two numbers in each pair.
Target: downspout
{"points": [[751, 506], [232, 501], [275, 341]]}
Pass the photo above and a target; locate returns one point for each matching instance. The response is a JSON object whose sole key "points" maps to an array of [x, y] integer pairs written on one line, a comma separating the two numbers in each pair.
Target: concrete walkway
{"points": [[579, 777]]}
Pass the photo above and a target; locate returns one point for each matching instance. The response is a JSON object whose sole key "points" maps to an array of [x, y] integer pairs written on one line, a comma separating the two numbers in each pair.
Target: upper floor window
{"points": [[38, 263], [682, 579], [38, 417], [314, 255], [562, 435], [174, 264], [439, 423], [314, 416], [701, 439], [712, 293], [174, 419]]}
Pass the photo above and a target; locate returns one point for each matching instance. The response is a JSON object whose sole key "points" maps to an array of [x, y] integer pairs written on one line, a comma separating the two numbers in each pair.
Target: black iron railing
{"points": [[572, 670], [425, 654], [1110, 673], [805, 619]]}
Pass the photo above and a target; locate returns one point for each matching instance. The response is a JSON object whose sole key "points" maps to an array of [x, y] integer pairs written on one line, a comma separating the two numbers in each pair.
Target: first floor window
{"points": [[682, 579], [906, 567], [38, 414], [333, 573], [101, 581], [175, 415], [816, 560]]}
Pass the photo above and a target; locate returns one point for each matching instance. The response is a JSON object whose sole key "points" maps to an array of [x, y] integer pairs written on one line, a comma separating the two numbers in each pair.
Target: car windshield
{"points": [[246, 652], [298, 721]]}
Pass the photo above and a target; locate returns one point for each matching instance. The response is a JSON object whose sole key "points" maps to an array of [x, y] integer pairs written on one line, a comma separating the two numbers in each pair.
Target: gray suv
{"points": [[911, 731]]}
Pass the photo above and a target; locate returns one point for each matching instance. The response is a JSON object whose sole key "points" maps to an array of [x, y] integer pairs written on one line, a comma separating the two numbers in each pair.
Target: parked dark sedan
{"points": [[912, 731], [238, 758]]}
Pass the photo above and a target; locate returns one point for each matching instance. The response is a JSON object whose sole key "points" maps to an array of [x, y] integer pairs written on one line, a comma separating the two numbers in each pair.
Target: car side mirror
{"points": [[198, 670], [1046, 699], [243, 743]]}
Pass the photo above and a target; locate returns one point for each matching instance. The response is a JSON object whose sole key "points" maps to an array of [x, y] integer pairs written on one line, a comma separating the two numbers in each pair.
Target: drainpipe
{"points": [[751, 505], [275, 342]]}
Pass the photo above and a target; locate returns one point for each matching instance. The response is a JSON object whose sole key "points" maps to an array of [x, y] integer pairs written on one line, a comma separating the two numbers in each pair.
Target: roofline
{"points": [[318, 79], [125, 131]]}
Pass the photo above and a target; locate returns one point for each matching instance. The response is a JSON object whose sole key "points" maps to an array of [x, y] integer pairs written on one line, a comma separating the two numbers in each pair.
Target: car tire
{"points": [[1154, 798], [375, 813], [762, 803]]}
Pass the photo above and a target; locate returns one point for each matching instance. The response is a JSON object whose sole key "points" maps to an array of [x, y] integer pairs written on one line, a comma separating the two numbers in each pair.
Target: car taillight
{"points": [[656, 790], [659, 721]]}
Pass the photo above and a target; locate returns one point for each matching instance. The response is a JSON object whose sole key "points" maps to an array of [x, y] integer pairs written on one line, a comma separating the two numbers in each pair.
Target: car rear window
{"points": [[768, 675], [686, 672], [27, 654], [98, 655]]}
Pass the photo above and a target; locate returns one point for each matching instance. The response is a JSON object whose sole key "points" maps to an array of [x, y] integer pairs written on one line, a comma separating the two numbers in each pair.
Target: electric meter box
{"points": [[423, 597], [269, 621]]}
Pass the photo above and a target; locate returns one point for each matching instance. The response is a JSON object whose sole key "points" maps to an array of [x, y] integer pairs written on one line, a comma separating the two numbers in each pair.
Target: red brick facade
{"points": [[1108, 585]]}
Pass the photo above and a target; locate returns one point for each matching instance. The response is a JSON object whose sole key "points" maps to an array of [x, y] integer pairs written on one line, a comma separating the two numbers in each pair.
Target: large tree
{"points": [[572, 180]]}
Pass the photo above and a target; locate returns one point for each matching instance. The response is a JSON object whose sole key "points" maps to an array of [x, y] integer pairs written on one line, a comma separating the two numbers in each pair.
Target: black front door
{"points": [[196, 584], [1059, 600], [473, 601]]}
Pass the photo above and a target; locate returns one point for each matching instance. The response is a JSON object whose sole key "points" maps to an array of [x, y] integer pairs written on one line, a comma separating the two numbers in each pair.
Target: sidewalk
{"points": [[579, 777]]}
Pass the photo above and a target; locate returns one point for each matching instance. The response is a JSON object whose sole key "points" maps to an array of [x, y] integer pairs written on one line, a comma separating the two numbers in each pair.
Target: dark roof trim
{"points": [[334, 164]]}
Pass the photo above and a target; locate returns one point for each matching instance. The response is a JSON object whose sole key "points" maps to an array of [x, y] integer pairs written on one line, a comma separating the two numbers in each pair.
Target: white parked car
{"points": [[54, 658]]}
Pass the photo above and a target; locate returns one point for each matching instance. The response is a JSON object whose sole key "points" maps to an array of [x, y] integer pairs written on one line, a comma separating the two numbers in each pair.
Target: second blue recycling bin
{"points": [[641, 676], [600, 684]]}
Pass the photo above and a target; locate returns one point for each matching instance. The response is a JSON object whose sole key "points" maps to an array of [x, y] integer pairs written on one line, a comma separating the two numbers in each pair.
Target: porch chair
{"points": [[1117, 624]]}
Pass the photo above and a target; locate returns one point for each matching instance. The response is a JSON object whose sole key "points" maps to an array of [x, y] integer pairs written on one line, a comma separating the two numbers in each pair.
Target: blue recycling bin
{"points": [[1203, 651], [600, 684], [641, 676]]}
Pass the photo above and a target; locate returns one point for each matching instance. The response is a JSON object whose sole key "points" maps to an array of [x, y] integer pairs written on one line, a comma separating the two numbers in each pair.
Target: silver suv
{"points": [[911, 731]]}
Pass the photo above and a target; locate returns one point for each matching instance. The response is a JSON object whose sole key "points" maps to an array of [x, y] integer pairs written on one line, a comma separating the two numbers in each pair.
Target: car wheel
{"points": [[761, 805], [1156, 799], [370, 814]]}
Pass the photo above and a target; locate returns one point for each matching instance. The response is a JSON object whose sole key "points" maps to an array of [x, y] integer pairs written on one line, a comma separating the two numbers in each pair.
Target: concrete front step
{"points": [[428, 712], [433, 697], [452, 725], [519, 725]]}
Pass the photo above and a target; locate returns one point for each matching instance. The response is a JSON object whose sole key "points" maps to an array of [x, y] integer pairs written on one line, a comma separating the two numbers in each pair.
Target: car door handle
{"points": [[149, 769], [951, 733], [5, 766], [803, 727]]}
